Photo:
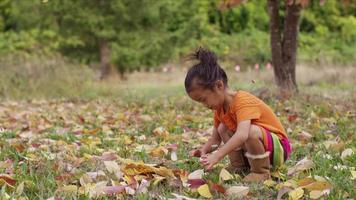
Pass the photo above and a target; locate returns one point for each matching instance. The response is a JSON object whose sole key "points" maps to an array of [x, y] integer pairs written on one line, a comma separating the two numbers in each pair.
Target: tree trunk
{"points": [[105, 68], [284, 47], [290, 45]]}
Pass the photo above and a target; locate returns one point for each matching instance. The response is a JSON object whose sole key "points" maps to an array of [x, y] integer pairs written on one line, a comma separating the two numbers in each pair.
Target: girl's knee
{"points": [[254, 142], [255, 133]]}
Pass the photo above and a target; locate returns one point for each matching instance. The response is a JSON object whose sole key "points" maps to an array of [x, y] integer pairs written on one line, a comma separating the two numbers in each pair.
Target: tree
{"points": [[283, 40]]}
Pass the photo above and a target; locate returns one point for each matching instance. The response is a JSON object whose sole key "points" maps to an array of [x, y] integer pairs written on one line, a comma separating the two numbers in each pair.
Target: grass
{"points": [[41, 136]]}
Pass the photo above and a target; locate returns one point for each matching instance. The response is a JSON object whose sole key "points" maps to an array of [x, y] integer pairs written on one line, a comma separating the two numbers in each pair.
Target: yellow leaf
{"points": [[225, 175], [239, 191], [69, 189], [305, 181], [318, 185], [4, 196], [157, 152], [334, 145], [160, 131], [204, 191], [133, 169], [157, 179], [287, 184], [296, 194], [269, 183], [127, 140], [20, 188], [353, 174]]}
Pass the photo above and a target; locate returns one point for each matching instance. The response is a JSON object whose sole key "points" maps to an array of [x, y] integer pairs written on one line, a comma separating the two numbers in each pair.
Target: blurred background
{"points": [[82, 48]]}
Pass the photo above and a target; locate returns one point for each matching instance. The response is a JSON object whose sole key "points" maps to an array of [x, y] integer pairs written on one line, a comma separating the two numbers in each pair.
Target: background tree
{"points": [[283, 39]]}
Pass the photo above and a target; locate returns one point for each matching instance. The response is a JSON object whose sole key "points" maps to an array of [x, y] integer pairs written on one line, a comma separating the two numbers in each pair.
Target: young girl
{"points": [[253, 136]]}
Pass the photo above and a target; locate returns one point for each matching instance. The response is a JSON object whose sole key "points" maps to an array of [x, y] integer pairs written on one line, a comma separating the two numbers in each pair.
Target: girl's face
{"points": [[211, 98]]}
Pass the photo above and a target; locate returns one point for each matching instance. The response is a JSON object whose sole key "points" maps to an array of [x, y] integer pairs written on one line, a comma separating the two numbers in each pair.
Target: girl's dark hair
{"points": [[208, 71]]}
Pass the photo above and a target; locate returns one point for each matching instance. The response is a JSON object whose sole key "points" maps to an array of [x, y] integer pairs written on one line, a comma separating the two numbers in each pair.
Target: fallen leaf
{"points": [[142, 188], [7, 179], [181, 197], [98, 189], [172, 147], [296, 194], [318, 185], [158, 152], [69, 189], [292, 117], [130, 191], [174, 156], [20, 188], [305, 181], [316, 194], [204, 191], [269, 183], [197, 174], [302, 165], [289, 184], [303, 135], [353, 175], [112, 166], [157, 179], [218, 188], [225, 175], [238, 191], [133, 169], [282, 191], [346, 153], [160, 131], [146, 118], [111, 190], [334, 145], [195, 183], [106, 156]]}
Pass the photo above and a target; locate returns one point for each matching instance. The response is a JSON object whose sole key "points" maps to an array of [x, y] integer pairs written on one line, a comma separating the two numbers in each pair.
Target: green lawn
{"points": [[67, 148]]}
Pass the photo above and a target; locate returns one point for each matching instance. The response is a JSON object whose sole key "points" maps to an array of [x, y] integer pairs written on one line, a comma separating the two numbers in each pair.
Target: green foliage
{"points": [[145, 34]]}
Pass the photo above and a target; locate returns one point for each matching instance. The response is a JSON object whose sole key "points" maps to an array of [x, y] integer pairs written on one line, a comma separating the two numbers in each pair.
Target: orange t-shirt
{"points": [[245, 106]]}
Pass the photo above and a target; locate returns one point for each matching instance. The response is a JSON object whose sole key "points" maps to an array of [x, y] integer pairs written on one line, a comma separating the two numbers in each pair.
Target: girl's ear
{"points": [[219, 85]]}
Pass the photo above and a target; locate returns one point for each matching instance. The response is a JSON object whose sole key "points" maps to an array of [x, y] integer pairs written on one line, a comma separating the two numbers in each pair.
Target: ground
{"points": [[133, 142]]}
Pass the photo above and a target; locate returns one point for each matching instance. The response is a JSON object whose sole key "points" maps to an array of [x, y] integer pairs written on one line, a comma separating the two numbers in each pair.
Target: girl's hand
{"points": [[208, 161]]}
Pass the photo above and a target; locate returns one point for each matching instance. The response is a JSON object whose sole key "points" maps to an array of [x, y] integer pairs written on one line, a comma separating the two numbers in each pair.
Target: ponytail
{"points": [[208, 71]]}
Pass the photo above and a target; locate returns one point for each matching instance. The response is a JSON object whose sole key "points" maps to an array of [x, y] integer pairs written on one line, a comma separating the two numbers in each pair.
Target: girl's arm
{"points": [[214, 140], [237, 140]]}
